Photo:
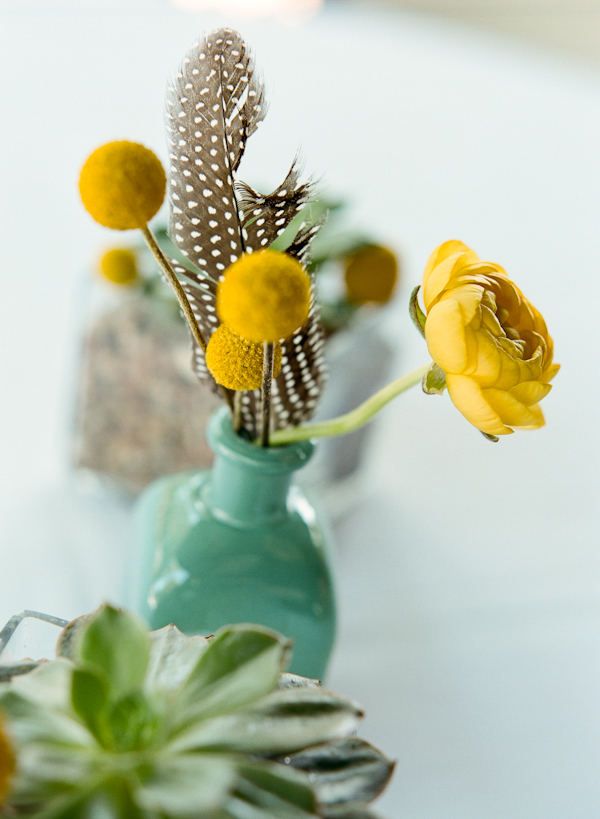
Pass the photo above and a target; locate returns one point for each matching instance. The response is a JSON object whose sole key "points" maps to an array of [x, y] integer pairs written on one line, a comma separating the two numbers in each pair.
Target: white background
{"points": [[468, 573]]}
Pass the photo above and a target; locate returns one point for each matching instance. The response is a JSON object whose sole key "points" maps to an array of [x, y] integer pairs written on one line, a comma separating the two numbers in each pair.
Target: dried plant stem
{"points": [[9, 629], [182, 298], [268, 358], [354, 419], [237, 411], [176, 285]]}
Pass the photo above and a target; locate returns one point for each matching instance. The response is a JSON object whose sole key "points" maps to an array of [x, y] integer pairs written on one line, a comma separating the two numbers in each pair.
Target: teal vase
{"points": [[238, 544]]}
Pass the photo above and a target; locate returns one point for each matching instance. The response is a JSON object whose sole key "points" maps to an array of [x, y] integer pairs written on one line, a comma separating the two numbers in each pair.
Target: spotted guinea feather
{"points": [[266, 215], [297, 389], [214, 104], [202, 298]]}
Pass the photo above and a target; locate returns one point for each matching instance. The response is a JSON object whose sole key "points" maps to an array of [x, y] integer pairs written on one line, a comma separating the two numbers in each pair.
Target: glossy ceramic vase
{"points": [[235, 544]]}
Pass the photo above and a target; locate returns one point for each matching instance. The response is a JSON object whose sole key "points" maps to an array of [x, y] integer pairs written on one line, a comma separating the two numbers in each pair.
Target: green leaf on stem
{"points": [[414, 308], [434, 381]]}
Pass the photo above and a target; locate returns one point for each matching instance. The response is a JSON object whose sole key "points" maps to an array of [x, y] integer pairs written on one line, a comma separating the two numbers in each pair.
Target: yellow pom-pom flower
{"points": [[235, 362], [490, 341], [122, 185], [7, 762], [264, 296], [371, 275], [118, 265]]}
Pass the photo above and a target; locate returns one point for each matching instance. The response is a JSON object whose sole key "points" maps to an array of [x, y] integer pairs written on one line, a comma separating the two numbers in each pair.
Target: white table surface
{"points": [[468, 574]]}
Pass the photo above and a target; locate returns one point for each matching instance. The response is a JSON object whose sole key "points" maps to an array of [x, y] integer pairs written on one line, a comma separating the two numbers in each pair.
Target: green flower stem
{"points": [[354, 419]]}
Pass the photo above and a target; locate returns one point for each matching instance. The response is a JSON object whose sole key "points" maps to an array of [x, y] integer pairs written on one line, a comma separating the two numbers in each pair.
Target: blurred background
{"points": [[468, 574]]}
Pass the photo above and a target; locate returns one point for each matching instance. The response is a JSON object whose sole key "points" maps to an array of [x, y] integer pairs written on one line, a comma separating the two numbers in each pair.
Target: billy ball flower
{"points": [[7, 762], [371, 275], [490, 341], [236, 363], [118, 265], [264, 296], [122, 185]]}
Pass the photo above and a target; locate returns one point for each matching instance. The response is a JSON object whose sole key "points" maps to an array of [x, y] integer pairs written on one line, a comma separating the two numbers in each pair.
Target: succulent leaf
{"points": [[344, 772], [194, 727], [133, 723], [34, 722], [89, 698], [186, 786], [47, 684], [277, 791], [285, 721], [116, 644], [173, 655], [350, 813], [68, 639], [51, 767], [240, 665]]}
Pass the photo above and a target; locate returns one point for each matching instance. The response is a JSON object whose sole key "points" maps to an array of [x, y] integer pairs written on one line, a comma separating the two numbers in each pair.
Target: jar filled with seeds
{"points": [[139, 412]]}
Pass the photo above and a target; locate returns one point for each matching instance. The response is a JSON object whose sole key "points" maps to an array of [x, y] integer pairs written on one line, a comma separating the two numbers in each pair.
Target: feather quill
{"points": [[214, 104]]}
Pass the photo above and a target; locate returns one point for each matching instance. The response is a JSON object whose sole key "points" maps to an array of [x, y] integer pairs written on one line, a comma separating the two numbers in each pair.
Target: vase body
{"points": [[238, 543]]}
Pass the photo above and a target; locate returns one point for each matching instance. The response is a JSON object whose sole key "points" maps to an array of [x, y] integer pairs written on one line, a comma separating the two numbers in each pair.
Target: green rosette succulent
{"points": [[127, 724]]}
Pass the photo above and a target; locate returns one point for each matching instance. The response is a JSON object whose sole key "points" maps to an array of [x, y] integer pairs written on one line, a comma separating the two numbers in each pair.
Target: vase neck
{"points": [[246, 495], [248, 484]]}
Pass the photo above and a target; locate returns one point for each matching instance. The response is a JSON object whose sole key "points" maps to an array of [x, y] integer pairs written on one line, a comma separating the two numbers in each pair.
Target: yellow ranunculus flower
{"points": [[490, 341]]}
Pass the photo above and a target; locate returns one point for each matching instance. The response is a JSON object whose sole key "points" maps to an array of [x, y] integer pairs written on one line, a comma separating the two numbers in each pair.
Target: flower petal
{"points": [[437, 277], [469, 297], [530, 392], [512, 411], [449, 248], [488, 361], [468, 397], [445, 336]]}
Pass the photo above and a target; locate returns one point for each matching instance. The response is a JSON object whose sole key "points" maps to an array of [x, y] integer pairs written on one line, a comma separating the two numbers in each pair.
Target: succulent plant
{"points": [[127, 723]]}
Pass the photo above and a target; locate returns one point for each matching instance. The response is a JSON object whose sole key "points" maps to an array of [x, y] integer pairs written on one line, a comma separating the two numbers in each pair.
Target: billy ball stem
{"points": [[237, 411], [181, 295], [268, 359], [176, 285]]}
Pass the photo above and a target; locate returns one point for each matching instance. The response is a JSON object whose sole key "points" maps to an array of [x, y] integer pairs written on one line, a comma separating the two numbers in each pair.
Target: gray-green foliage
{"points": [[127, 724]]}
